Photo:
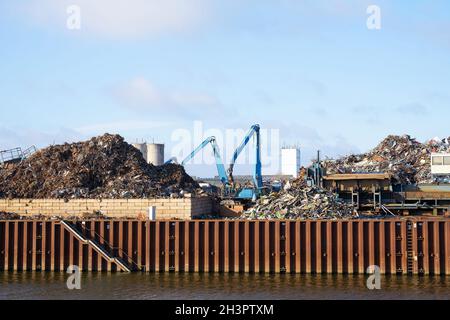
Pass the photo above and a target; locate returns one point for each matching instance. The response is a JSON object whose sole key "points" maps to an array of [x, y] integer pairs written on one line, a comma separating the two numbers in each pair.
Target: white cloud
{"points": [[355, 8], [141, 95], [25, 137], [120, 126], [122, 18]]}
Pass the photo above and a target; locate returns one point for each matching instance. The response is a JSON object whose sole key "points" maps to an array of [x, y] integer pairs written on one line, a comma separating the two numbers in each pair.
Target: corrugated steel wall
{"points": [[396, 246]]}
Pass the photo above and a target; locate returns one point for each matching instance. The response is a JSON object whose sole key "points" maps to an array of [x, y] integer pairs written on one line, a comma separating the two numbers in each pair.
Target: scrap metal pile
{"points": [[103, 167], [437, 145], [9, 216], [83, 217], [299, 201], [407, 160]]}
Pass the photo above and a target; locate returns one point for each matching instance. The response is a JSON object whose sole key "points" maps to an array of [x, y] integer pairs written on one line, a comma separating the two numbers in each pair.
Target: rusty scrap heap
{"points": [[407, 160], [103, 167], [299, 201], [9, 216]]}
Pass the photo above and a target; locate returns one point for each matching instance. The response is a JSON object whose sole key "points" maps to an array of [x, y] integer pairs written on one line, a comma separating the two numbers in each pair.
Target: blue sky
{"points": [[311, 69]]}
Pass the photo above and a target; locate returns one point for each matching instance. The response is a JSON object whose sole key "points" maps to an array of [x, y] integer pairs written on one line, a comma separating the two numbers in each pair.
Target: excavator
{"points": [[219, 164], [248, 192], [231, 189]]}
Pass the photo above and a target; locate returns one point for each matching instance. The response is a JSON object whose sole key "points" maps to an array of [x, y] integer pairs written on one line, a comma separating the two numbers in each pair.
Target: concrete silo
{"points": [[142, 147], [155, 153]]}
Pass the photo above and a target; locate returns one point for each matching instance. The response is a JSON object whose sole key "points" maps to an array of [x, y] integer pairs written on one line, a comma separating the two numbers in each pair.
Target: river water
{"points": [[218, 286]]}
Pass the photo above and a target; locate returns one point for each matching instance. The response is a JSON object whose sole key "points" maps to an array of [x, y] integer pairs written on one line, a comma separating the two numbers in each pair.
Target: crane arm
{"points": [[257, 176], [220, 166], [219, 163]]}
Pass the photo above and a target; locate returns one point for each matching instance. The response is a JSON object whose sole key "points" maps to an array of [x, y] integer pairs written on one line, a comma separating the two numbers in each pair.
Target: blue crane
{"points": [[249, 193], [220, 166]]}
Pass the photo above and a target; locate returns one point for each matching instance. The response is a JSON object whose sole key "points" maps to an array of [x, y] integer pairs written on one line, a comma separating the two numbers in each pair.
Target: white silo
{"points": [[142, 147], [155, 153]]}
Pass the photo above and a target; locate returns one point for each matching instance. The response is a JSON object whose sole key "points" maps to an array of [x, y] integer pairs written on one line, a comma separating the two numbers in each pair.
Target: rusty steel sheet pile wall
{"points": [[349, 247]]}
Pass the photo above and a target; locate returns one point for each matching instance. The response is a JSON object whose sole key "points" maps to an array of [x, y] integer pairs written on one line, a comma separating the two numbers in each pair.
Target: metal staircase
{"points": [[16, 154], [28, 152], [97, 247]]}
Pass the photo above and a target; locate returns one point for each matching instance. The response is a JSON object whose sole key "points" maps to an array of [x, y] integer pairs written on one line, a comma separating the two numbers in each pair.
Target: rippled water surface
{"points": [[218, 286]]}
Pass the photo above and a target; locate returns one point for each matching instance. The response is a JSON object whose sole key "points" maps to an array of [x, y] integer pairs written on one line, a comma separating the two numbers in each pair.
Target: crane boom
{"points": [[257, 176], [220, 166]]}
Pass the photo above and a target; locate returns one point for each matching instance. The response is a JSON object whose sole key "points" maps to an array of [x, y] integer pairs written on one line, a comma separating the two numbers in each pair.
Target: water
{"points": [[218, 286]]}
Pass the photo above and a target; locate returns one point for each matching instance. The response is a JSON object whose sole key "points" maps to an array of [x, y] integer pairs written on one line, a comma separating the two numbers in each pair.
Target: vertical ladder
{"points": [[376, 198], [355, 198], [409, 247]]}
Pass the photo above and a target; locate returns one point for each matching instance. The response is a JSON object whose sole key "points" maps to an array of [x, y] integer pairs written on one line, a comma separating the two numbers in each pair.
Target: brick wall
{"points": [[184, 208]]}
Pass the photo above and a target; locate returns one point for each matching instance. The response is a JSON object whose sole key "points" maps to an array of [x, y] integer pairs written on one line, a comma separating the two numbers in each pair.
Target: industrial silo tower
{"points": [[142, 147], [155, 153]]}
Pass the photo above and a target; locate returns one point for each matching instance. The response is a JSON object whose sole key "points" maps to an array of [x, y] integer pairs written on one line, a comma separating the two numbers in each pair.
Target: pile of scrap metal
{"points": [[103, 167], [404, 158], [9, 216], [299, 201], [84, 217]]}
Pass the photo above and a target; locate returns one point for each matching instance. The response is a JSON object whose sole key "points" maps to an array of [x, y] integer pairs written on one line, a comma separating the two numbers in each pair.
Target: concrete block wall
{"points": [[183, 208]]}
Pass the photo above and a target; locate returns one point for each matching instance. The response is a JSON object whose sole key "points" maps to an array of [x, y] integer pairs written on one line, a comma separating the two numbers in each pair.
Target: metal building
{"points": [[290, 161]]}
